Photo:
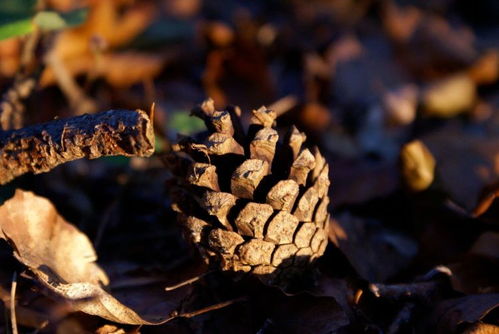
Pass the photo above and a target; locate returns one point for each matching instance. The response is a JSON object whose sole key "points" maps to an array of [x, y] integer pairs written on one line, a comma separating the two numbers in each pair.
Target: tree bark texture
{"points": [[40, 148]]}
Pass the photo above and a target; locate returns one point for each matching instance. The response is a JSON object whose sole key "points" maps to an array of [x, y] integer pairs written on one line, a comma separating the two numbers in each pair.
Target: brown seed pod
{"points": [[249, 201]]}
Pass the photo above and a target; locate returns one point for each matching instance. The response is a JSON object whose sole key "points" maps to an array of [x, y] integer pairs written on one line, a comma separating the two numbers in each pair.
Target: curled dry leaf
{"points": [[62, 258], [43, 241]]}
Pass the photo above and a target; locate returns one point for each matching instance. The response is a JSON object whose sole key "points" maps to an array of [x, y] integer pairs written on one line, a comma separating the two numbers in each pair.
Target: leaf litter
{"points": [[401, 98]]}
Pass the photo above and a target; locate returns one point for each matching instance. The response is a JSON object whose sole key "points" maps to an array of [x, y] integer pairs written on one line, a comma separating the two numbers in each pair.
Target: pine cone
{"points": [[249, 202]]}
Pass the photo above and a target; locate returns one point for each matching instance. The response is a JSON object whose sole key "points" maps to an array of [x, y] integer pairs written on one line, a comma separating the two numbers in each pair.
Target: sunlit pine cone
{"points": [[250, 202]]}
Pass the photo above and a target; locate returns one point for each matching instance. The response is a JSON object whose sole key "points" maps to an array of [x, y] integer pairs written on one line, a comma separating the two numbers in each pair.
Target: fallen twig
{"points": [[485, 202], [80, 103], [176, 314], [284, 104], [42, 147], [12, 107], [422, 291], [13, 319], [187, 282]]}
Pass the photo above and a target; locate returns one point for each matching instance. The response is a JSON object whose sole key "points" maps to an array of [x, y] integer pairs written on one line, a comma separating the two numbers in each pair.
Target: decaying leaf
{"points": [[465, 166], [465, 310], [306, 314], [62, 258], [374, 251], [476, 272]]}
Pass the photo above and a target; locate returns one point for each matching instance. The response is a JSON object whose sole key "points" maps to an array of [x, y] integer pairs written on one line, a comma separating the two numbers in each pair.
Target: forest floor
{"points": [[401, 97]]}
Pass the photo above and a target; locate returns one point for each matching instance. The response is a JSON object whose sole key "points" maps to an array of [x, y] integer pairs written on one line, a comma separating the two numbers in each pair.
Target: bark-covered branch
{"points": [[41, 147]]}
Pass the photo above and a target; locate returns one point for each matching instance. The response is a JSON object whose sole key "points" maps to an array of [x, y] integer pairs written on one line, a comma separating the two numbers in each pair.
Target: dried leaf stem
{"points": [[42, 147]]}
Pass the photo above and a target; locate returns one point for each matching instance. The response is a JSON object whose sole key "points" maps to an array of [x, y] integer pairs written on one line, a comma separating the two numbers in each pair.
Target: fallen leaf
{"points": [[74, 47], [487, 245], [476, 272], [44, 241], [10, 56], [306, 314], [110, 329], [361, 180], [465, 310], [63, 260], [465, 166], [481, 328], [376, 252]]}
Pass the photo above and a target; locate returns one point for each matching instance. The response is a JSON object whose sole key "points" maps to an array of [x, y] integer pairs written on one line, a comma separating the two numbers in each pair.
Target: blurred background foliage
{"points": [[402, 96]]}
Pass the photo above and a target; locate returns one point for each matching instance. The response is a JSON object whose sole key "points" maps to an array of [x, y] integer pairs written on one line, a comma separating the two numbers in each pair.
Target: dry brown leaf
{"points": [[45, 242], [125, 69], [118, 69], [74, 47], [376, 252], [61, 257], [359, 180], [476, 272], [110, 329], [10, 56], [481, 328], [306, 314], [470, 309], [466, 163], [487, 245]]}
